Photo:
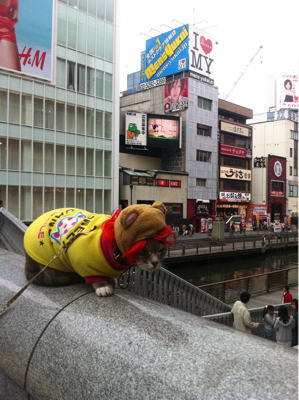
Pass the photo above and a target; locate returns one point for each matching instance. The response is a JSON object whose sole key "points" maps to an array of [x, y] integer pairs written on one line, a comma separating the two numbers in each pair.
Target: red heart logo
{"points": [[206, 45]]}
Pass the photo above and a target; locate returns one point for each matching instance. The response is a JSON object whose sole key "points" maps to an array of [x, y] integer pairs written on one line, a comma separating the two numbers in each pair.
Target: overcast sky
{"points": [[241, 27]]}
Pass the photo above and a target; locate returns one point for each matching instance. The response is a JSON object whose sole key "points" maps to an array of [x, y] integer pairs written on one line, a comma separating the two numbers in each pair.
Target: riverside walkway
{"points": [[272, 298]]}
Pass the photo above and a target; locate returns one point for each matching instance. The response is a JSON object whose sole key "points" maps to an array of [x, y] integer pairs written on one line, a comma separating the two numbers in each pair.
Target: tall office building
{"points": [[59, 108]]}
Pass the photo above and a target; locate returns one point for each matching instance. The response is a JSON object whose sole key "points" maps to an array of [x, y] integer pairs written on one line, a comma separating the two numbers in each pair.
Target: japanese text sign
{"points": [[235, 173], [233, 151]]}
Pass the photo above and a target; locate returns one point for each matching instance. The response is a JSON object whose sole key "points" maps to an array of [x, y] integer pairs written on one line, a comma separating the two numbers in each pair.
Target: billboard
{"points": [[232, 151], [201, 55], [235, 173], [166, 54], [136, 129], [289, 91], [176, 96], [163, 131], [27, 26], [233, 128], [234, 197]]}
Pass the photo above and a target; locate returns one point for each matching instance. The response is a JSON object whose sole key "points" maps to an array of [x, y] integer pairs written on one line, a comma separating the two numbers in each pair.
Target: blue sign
{"points": [[166, 54]]}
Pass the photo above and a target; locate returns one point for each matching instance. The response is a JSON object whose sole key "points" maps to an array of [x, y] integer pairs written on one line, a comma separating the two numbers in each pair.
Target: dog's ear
{"points": [[160, 206], [131, 218]]}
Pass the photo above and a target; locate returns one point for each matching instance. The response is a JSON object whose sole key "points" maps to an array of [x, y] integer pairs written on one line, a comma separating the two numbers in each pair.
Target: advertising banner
{"points": [[27, 28], [259, 210], [201, 55], [163, 131], [232, 128], [176, 96], [260, 162], [136, 129], [268, 219], [234, 197], [235, 173], [204, 225], [277, 188], [167, 54], [290, 91], [232, 151], [277, 228]]}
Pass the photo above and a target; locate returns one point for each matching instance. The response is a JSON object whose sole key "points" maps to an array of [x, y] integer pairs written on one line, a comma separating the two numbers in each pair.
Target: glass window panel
{"points": [[98, 201], [108, 86], [13, 154], [3, 105], [83, 5], [92, 5], [70, 160], [26, 203], [99, 123], [14, 108], [26, 155], [90, 81], [82, 29], [70, 197], [48, 199], [63, 1], [107, 202], [72, 28], [89, 200], [71, 67], [91, 35], [37, 157], [73, 3], [26, 110], [13, 200], [60, 197], [109, 42], [101, 9], [108, 125], [80, 161], [70, 118], [49, 157], [60, 116], [37, 202], [99, 163], [60, 77], [89, 121], [3, 194], [80, 120], [100, 38], [59, 159], [49, 114], [80, 198], [38, 112], [3, 152], [109, 10], [89, 162], [99, 83], [107, 167], [62, 24], [81, 78]]}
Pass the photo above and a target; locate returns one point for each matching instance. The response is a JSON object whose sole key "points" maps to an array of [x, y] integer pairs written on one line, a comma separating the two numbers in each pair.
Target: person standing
{"points": [[269, 318], [191, 228], [242, 317], [283, 327], [184, 227], [295, 329], [286, 295]]}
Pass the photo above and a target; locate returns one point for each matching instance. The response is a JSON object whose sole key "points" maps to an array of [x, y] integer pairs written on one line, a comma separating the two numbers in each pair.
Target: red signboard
{"points": [[276, 193], [175, 184], [161, 182], [233, 151]]}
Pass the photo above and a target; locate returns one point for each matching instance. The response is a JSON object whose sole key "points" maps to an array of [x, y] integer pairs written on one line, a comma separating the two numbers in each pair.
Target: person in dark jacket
{"points": [[295, 329]]}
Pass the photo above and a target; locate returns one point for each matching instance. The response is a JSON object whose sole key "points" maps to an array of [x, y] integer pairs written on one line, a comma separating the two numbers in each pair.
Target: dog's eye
{"points": [[161, 250]]}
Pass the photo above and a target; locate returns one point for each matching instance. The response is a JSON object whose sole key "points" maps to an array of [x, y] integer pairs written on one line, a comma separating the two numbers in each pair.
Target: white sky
{"points": [[241, 27]]}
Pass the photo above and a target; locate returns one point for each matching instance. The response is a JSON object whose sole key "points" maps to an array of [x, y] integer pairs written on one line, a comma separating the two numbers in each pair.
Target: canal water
{"points": [[222, 269]]}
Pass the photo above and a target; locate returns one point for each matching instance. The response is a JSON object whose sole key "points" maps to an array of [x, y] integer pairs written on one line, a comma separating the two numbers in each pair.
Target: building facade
{"points": [[58, 146]]}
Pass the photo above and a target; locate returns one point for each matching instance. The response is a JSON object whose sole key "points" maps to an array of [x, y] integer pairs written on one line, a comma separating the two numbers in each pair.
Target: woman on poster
{"points": [[9, 53], [289, 93], [175, 90]]}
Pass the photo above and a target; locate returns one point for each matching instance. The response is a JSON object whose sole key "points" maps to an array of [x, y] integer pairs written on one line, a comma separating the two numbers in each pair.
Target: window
{"points": [[204, 156], [59, 159], [109, 42], [72, 28], [70, 160], [108, 125], [62, 24], [99, 83], [3, 149], [60, 78], [71, 67], [101, 9], [60, 198], [89, 121], [82, 31], [37, 202], [294, 135], [90, 81], [49, 114], [70, 197], [80, 120], [99, 123], [13, 154], [92, 5], [99, 162], [109, 10], [48, 199], [107, 163], [234, 185], [37, 157], [204, 130], [205, 104], [293, 191], [291, 170], [98, 201], [232, 162], [91, 34], [80, 161], [83, 5], [100, 34], [89, 162], [70, 118], [60, 117], [80, 198], [49, 157], [25, 202], [26, 110], [26, 155], [14, 107], [200, 182], [38, 112], [81, 78], [3, 105], [291, 152], [108, 86]]}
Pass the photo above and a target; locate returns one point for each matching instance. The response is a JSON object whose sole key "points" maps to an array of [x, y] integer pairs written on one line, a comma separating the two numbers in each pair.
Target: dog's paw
{"points": [[104, 291]]}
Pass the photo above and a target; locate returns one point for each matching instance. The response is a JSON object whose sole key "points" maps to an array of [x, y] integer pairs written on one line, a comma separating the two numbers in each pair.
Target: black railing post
{"points": [[196, 248], [210, 247], [286, 275], [222, 295], [183, 249], [254, 243], [233, 245], [268, 283], [168, 251], [243, 243], [247, 285]]}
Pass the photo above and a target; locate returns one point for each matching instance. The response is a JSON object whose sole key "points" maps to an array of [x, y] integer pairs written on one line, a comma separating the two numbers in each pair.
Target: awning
{"points": [[138, 173]]}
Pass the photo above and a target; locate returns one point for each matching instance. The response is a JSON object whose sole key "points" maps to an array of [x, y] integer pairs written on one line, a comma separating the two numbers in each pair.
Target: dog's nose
{"points": [[155, 263]]}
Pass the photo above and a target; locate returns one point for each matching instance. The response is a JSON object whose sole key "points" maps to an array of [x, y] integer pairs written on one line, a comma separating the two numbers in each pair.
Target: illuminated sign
{"points": [[232, 128], [260, 162], [233, 151], [290, 91], [163, 131], [136, 129], [176, 96], [277, 188], [234, 197], [176, 184], [235, 173], [164, 183]]}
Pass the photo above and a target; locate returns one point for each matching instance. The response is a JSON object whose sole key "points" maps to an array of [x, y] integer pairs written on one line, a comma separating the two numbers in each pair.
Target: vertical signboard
{"points": [[176, 96], [27, 27], [290, 91], [136, 129]]}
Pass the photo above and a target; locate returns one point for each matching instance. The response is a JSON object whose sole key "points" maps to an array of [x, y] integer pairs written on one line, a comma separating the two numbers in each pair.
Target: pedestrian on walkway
{"points": [[269, 318], [295, 329], [283, 327], [180, 229], [242, 317], [191, 229], [286, 295], [184, 227]]}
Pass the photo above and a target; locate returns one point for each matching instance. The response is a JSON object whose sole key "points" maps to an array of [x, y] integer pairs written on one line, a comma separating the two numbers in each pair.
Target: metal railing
{"points": [[166, 288], [12, 232], [265, 282], [256, 315]]}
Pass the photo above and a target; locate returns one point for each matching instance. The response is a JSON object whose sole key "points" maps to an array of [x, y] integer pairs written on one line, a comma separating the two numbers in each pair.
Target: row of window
{"points": [[203, 103], [20, 200], [293, 191], [48, 114], [232, 162], [233, 141], [204, 156], [77, 77], [85, 33], [204, 130], [24, 155], [101, 8]]}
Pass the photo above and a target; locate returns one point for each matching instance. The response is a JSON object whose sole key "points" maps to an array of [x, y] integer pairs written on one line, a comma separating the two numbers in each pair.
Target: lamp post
{"points": [[131, 187]]}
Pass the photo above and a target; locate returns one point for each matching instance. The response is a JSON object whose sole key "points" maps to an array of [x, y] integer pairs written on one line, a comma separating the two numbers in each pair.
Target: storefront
{"points": [[277, 188], [203, 211]]}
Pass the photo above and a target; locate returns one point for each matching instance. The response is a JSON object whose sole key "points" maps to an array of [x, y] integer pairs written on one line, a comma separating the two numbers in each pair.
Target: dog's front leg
{"points": [[104, 289]]}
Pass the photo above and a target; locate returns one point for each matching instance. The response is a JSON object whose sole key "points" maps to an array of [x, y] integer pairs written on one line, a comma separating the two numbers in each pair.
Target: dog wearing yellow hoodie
{"points": [[136, 236]]}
